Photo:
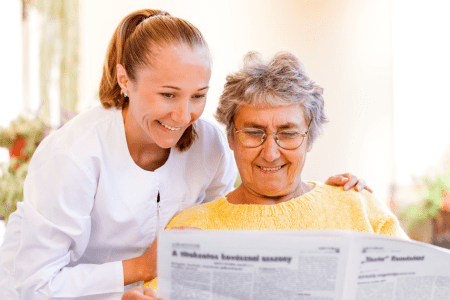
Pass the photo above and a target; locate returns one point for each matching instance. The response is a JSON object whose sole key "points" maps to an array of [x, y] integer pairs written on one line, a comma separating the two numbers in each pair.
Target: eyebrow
{"points": [[283, 126], [177, 88]]}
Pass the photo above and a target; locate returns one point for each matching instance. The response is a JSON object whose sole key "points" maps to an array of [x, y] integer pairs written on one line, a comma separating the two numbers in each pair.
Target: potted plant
{"points": [[435, 207], [21, 139]]}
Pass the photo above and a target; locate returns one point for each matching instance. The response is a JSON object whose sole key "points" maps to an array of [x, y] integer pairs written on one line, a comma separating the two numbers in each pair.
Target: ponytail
{"points": [[110, 91]]}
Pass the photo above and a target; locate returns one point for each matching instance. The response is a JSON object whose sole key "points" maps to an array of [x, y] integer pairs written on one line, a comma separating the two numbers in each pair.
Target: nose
{"points": [[182, 112], [270, 149]]}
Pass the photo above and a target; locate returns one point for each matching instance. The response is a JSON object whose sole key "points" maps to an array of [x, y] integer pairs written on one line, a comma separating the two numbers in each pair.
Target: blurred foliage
{"points": [[21, 139], [11, 187], [432, 192], [59, 44], [22, 128]]}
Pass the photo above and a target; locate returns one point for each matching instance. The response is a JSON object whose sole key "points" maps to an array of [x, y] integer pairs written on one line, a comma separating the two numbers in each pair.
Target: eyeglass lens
{"points": [[254, 137]]}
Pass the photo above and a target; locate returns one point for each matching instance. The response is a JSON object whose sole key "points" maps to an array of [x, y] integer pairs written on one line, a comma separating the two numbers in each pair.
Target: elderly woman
{"points": [[273, 113]]}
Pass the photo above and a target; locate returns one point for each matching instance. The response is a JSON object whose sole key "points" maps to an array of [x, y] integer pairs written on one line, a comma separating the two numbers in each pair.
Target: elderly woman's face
{"points": [[269, 170]]}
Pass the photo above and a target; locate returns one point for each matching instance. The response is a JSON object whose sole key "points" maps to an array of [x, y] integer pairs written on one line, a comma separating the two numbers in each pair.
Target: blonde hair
{"points": [[281, 81], [131, 46]]}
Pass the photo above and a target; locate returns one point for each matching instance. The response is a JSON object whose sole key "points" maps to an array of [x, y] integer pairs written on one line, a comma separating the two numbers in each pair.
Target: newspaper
{"points": [[306, 265]]}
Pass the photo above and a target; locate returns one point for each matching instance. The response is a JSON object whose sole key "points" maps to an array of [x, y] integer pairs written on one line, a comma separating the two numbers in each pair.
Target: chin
{"points": [[166, 143], [276, 192], [272, 189], [272, 193]]}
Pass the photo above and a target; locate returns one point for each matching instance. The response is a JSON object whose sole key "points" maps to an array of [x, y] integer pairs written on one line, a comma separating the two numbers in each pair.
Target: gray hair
{"points": [[281, 81]]}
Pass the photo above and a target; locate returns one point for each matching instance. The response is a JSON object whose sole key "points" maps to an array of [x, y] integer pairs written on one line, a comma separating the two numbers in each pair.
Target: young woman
{"points": [[98, 189]]}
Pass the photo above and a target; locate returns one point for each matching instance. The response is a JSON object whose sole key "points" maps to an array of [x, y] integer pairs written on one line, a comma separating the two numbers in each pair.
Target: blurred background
{"points": [[383, 64]]}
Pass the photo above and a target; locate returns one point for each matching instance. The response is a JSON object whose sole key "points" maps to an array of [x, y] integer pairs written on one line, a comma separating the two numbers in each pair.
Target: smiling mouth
{"points": [[169, 127], [270, 169]]}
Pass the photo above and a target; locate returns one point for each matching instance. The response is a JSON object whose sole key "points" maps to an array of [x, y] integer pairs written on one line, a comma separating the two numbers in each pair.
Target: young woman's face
{"points": [[168, 96]]}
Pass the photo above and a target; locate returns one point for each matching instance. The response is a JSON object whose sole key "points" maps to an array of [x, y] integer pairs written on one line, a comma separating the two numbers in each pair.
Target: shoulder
{"points": [[210, 133], [82, 136], [351, 197], [198, 216], [362, 204], [84, 125], [211, 145], [87, 124]]}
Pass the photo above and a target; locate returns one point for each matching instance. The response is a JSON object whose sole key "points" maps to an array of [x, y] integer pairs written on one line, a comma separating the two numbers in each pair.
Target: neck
{"points": [[245, 195], [147, 155]]}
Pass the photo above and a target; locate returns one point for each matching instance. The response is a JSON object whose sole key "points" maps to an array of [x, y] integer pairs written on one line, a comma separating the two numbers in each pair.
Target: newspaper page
{"points": [[305, 265], [196, 264], [388, 268]]}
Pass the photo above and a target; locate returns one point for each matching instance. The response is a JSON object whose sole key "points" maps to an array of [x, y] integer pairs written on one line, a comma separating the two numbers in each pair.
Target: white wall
{"points": [[344, 44], [11, 74], [421, 51], [10, 51]]}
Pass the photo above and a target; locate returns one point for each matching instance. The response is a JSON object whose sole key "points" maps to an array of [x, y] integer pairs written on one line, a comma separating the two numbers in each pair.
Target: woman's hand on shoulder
{"points": [[349, 181], [140, 293]]}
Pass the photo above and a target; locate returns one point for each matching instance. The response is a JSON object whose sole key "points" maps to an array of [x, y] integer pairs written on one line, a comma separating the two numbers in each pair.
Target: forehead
{"points": [[279, 116], [167, 54], [176, 62]]}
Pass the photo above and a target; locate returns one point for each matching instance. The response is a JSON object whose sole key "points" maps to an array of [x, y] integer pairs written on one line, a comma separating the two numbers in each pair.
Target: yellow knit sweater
{"points": [[324, 207]]}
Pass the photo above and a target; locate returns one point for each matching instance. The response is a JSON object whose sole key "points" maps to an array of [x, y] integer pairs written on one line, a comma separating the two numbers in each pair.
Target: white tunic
{"points": [[88, 206]]}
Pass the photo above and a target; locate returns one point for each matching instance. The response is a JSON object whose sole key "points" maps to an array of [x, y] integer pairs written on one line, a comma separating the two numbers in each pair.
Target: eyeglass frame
{"points": [[266, 134]]}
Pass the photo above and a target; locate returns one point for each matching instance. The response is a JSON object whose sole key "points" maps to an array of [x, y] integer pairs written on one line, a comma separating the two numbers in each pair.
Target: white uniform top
{"points": [[88, 206]]}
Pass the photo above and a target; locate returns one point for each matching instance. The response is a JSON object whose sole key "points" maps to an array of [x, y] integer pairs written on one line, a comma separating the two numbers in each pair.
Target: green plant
{"points": [[11, 187], [432, 193], [21, 139]]}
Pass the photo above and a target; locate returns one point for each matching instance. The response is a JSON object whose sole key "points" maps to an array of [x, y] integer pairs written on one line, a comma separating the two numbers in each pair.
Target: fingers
{"points": [[140, 293], [352, 182], [349, 181], [343, 180], [368, 189], [337, 180], [358, 185], [150, 293]]}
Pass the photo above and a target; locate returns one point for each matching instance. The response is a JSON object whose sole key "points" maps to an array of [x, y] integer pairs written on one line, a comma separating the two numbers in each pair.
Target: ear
{"points": [[231, 141], [122, 78]]}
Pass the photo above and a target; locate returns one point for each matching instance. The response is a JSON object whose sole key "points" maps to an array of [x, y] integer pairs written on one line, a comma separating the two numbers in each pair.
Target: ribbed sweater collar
{"points": [[303, 202]]}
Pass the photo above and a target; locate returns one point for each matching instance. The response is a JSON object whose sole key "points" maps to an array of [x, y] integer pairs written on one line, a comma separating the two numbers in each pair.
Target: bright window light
{"points": [[421, 64]]}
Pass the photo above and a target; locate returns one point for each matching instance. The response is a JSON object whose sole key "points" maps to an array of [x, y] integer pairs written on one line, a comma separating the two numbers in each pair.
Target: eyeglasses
{"points": [[255, 137]]}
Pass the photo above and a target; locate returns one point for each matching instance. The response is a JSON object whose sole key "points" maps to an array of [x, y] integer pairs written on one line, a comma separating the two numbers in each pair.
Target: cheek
{"points": [[246, 158], [138, 106], [297, 163], [152, 109], [135, 106], [198, 109]]}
